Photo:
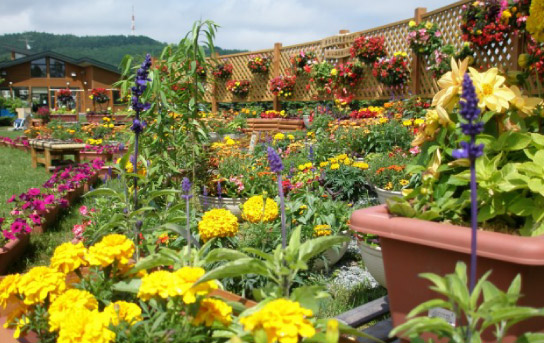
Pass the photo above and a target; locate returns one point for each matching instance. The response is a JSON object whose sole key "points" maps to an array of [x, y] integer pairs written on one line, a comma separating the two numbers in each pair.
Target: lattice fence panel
{"points": [[335, 49], [258, 90]]}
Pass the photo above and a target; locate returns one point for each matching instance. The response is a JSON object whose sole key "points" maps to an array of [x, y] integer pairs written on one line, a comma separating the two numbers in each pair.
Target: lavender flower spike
{"points": [[186, 188], [274, 160]]}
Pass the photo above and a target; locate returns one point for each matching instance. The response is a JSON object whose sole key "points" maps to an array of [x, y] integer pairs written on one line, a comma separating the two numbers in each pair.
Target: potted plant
{"points": [[481, 25], [368, 49], [259, 64], [283, 86], [42, 116], [387, 174], [222, 71], [65, 97], [408, 229], [303, 61], [424, 38], [239, 88], [392, 71]]}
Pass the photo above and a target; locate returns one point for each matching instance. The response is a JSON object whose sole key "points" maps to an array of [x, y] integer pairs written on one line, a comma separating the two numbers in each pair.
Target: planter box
{"points": [[68, 118], [95, 118], [413, 246], [373, 259], [384, 194], [12, 251], [278, 124], [49, 217], [91, 155]]}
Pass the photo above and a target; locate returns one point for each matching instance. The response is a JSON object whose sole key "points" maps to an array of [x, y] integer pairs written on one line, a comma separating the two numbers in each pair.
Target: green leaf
{"points": [[151, 261], [236, 268], [536, 185], [539, 158], [131, 286], [224, 254], [316, 246], [105, 192]]}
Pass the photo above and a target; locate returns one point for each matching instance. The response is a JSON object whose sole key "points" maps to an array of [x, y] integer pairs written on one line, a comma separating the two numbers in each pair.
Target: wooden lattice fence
{"points": [[336, 48]]}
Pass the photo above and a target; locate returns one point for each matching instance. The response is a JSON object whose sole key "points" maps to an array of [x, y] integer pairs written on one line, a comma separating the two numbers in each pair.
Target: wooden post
{"points": [[343, 59], [417, 60], [214, 89], [276, 59]]}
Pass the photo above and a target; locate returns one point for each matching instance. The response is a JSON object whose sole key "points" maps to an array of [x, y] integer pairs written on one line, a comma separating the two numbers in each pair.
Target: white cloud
{"points": [[245, 24]]}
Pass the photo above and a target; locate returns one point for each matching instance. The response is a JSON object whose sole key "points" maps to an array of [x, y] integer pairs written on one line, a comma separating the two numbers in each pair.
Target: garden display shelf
{"points": [[42, 151], [413, 246]]}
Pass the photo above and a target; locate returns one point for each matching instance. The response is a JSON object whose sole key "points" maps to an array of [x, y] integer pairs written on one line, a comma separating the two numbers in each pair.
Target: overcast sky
{"points": [[249, 24]]}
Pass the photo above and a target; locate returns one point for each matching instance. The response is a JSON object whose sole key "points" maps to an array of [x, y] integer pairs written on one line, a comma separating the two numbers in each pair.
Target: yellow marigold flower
{"points": [[279, 136], [8, 289], [419, 122], [230, 141], [348, 161], [68, 257], [335, 166], [217, 222], [111, 248], [212, 310], [404, 182], [255, 211], [291, 137], [283, 320], [383, 120], [322, 230], [308, 165], [333, 160], [39, 283], [67, 302], [361, 165], [84, 326], [407, 122], [186, 277], [123, 311], [323, 164], [342, 157], [159, 283], [388, 186]]}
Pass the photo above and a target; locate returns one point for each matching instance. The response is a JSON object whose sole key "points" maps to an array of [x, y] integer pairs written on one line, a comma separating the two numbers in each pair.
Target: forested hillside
{"points": [[107, 49]]}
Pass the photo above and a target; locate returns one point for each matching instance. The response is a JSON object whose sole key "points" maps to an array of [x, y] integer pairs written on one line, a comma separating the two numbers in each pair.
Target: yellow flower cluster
{"points": [[112, 248], [279, 136], [91, 141], [68, 257], [248, 111], [212, 310], [165, 284], [255, 211], [336, 161], [123, 311], [217, 222], [85, 326], [322, 230], [305, 166], [360, 165], [129, 167], [535, 22], [283, 321]]}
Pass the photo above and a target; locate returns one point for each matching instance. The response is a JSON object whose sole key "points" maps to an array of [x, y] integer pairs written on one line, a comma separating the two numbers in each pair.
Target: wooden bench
{"points": [[366, 313], [43, 151]]}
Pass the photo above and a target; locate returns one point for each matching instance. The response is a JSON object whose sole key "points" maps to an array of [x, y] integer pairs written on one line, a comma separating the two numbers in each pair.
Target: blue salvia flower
{"points": [[186, 188], [470, 112], [138, 126], [470, 150], [311, 153], [274, 160]]}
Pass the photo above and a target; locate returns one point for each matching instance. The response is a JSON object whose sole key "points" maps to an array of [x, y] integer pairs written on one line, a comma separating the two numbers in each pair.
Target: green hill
{"points": [[107, 49]]}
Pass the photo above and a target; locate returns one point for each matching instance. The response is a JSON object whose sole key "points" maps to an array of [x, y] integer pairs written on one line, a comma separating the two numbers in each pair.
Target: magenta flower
{"points": [[12, 199], [36, 219], [38, 205], [83, 211], [34, 191], [49, 199]]}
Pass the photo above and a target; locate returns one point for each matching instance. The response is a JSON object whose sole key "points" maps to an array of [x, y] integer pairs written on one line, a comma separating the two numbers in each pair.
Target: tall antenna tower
{"points": [[133, 27]]}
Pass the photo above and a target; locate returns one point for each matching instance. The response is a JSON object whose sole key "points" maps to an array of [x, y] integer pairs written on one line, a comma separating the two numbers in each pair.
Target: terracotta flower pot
{"points": [[74, 194], [373, 259], [48, 218], [11, 251], [90, 183], [413, 246]]}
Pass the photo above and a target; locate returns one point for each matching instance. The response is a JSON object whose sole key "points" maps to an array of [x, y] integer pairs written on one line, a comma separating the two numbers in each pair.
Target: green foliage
{"points": [[487, 307]]}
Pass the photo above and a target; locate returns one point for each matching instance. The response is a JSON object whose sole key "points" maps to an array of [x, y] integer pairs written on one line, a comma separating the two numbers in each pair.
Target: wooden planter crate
{"points": [[279, 124]]}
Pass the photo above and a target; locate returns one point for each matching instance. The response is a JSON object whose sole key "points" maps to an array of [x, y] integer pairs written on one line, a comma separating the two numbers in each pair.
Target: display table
{"points": [[42, 151]]}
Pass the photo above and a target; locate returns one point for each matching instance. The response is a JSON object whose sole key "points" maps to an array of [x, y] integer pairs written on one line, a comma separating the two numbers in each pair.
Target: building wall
{"points": [[84, 79]]}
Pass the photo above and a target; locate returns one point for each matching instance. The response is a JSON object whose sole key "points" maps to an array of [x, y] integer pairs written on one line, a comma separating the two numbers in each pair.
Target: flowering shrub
{"points": [[254, 210], [303, 61], [392, 71], [100, 95], [347, 74], [367, 112], [368, 49], [424, 38], [320, 75], [481, 25], [238, 87], [217, 222], [283, 85], [223, 70], [259, 64], [271, 114], [534, 60], [388, 172]]}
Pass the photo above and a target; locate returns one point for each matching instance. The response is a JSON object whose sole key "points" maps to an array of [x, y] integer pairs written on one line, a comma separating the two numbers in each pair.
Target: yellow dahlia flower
{"points": [[39, 283], [84, 326], [255, 211], [451, 84], [217, 222], [212, 310], [491, 90], [111, 248], [66, 303], [68, 257], [123, 311], [283, 321]]}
